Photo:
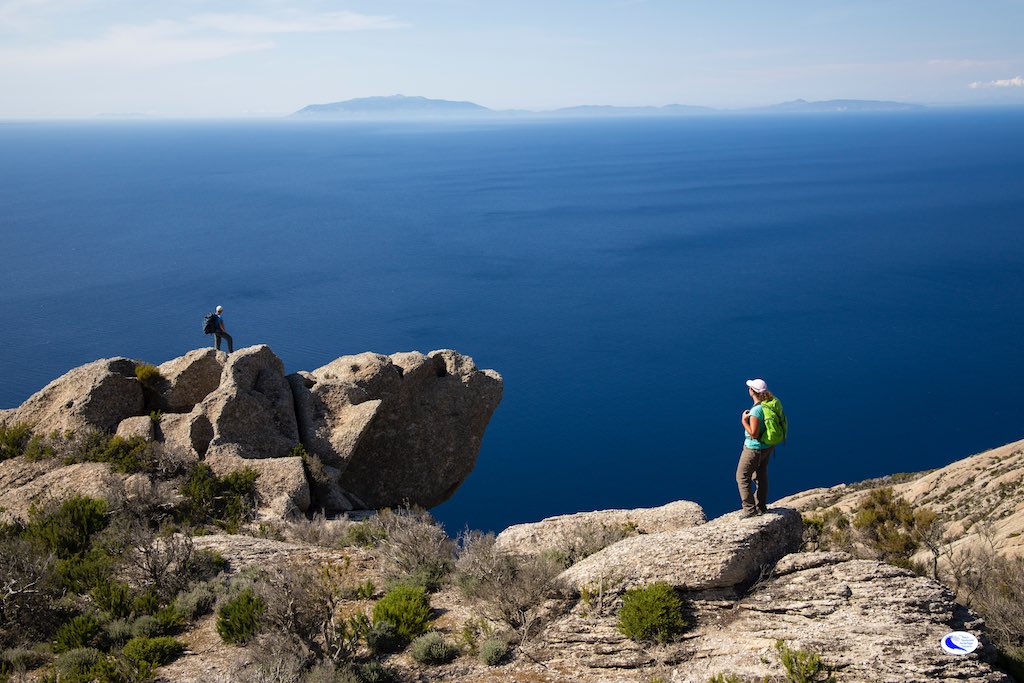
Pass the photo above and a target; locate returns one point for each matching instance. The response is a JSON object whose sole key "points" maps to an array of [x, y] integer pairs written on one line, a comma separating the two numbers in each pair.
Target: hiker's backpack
{"points": [[774, 423], [210, 323]]}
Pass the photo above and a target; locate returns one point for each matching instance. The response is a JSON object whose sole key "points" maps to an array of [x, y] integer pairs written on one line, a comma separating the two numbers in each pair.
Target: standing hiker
{"points": [[764, 426], [219, 331]]}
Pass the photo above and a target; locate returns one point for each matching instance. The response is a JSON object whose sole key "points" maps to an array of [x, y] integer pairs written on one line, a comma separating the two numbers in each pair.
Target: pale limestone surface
{"points": [[140, 426], [91, 479], [332, 416], [723, 553], [565, 531]]}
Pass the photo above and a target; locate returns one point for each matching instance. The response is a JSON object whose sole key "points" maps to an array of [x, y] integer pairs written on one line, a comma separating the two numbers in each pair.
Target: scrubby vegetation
{"points": [[802, 666], [651, 613]]}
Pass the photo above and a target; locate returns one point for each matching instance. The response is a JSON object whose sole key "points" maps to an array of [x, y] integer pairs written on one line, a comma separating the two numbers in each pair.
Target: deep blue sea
{"points": [[625, 277]]}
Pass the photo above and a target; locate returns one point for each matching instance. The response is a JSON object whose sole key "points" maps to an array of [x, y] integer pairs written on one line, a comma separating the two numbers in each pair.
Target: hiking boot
{"points": [[747, 514], [762, 509]]}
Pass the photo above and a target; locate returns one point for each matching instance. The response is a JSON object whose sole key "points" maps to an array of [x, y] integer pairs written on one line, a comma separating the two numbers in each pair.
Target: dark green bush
{"points": [[407, 607], [14, 439], [171, 618], [84, 631], [238, 619], [651, 613], [129, 455], [68, 531], [802, 666], [225, 502], [146, 626], [146, 603], [382, 638], [118, 632], [724, 678], [432, 648], [153, 651], [82, 573], [375, 672], [113, 598], [494, 651]]}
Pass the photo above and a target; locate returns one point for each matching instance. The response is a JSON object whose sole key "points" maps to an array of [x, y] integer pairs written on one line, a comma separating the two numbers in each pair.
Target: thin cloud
{"points": [[295, 22], [1015, 82], [195, 39]]}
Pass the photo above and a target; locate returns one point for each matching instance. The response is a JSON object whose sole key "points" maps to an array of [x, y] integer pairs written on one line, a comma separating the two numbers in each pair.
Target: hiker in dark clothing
{"points": [[219, 331], [753, 465]]}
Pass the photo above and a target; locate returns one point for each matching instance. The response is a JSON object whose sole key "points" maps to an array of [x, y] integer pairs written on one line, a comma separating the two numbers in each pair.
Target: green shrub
{"points": [[83, 631], [224, 502], [133, 454], [113, 598], [494, 651], [375, 672], [651, 613], [14, 439], [724, 678], [382, 638], [432, 648], [81, 573], [69, 530], [146, 603], [802, 666], [197, 601], [171, 618], [407, 607], [366, 590], [22, 659], [148, 374], [119, 632], [414, 549], [74, 663], [153, 651], [146, 626], [238, 619]]}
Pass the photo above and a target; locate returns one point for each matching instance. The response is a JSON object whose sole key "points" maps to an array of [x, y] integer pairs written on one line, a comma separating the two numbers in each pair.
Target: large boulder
{"points": [[332, 416], [419, 443], [98, 395], [252, 409], [567, 531], [724, 553], [188, 379]]}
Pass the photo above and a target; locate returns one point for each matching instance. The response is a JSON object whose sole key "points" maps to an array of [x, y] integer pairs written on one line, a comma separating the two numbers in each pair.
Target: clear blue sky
{"points": [[74, 58]]}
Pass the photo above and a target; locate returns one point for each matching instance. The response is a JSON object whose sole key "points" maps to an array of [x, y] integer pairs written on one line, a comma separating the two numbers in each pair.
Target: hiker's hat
{"points": [[758, 385]]}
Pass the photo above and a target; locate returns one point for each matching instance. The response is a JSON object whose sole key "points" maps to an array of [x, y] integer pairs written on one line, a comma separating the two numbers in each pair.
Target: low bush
{"points": [[68, 530], [802, 666], [118, 632], [375, 672], [146, 626], [408, 608], [148, 375], [413, 548], [113, 598], [724, 678], [382, 638], [494, 651], [197, 601], [153, 651], [19, 660], [508, 588], [226, 502], [29, 609], [238, 619], [433, 648], [83, 631], [77, 663], [651, 613], [133, 454], [14, 439]]}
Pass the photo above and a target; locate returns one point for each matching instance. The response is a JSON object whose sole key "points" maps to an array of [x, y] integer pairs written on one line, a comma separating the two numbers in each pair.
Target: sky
{"points": [[230, 58]]}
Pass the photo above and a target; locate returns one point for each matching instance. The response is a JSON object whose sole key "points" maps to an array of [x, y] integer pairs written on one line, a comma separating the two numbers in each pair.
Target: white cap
{"points": [[758, 385], [220, 309]]}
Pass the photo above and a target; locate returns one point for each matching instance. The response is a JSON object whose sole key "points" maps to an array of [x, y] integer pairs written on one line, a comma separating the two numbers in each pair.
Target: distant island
{"points": [[406, 107]]}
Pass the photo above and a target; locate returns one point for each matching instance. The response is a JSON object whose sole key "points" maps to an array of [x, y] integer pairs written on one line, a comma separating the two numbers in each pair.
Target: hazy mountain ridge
{"points": [[402, 106]]}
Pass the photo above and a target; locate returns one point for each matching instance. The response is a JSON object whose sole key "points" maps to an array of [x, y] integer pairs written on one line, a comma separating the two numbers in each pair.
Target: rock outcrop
{"points": [[187, 380], [97, 395], [402, 429], [92, 479], [724, 553], [386, 431], [573, 530], [871, 621]]}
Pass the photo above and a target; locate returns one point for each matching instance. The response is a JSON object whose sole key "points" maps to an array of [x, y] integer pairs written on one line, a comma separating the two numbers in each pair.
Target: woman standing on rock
{"points": [[753, 465]]}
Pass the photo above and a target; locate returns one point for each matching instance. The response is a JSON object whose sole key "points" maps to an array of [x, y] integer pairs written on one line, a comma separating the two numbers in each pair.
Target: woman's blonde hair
{"points": [[763, 396]]}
